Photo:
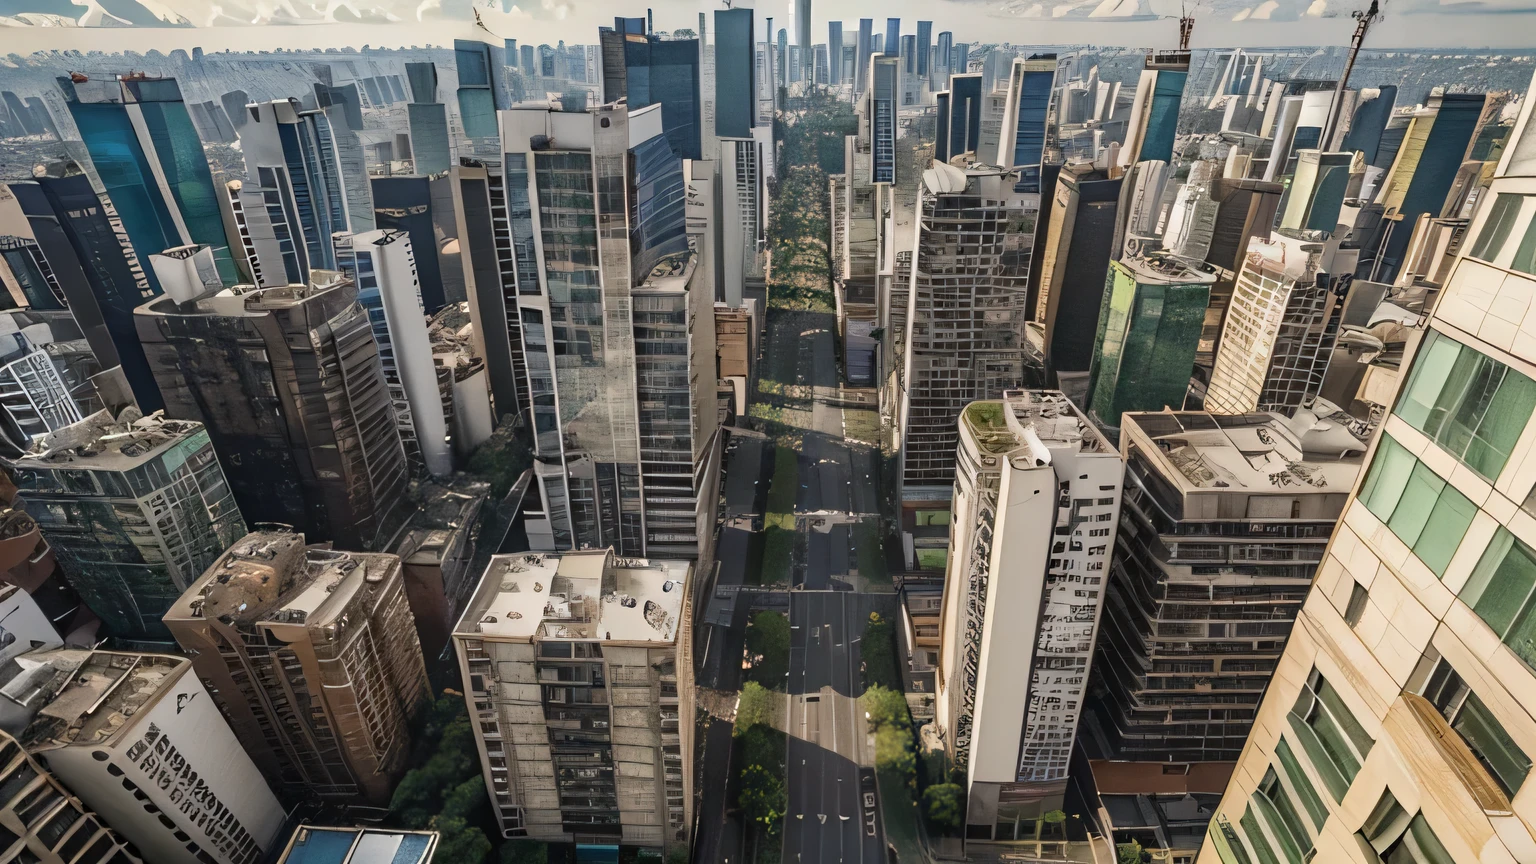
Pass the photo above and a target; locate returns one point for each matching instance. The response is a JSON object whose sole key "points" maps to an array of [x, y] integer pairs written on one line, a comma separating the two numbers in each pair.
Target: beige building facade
{"points": [[1400, 723]]}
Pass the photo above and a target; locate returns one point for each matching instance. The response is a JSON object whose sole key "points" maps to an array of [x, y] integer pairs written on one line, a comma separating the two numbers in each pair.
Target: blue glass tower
{"points": [[735, 74], [666, 71], [481, 91], [149, 157]]}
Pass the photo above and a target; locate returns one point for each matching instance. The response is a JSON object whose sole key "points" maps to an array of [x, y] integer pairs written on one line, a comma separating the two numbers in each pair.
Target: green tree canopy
{"points": [[768, 644], [763, 799], [459, 843], [755, 707], [945, 805]]}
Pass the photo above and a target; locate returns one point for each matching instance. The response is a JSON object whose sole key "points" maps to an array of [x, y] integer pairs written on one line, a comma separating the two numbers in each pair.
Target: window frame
{"points": [[1396, 477], [1466, 389]]}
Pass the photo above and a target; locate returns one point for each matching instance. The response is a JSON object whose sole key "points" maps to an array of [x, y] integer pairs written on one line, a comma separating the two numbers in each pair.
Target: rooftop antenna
{"points": [[1363, 21]]}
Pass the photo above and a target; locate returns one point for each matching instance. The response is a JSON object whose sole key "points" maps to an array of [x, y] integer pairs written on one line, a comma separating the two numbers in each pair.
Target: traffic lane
{"points": [[744, 478], [828, 820], [818, 561], [712, 821], [808, 496], [827, 626]]}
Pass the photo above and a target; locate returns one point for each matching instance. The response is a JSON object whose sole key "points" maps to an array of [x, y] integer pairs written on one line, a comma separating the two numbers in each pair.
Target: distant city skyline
{"points": [[1139, 23]]}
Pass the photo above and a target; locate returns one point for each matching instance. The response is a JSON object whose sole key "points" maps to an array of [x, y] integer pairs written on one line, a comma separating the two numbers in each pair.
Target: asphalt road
{"points": [[830, 819]]}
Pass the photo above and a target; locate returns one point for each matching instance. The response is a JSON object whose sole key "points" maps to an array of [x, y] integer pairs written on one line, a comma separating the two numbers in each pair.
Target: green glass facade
{"points": [[1145, 350]]}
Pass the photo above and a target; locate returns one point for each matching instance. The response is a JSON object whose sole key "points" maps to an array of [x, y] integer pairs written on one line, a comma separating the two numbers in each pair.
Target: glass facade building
{"points": [[150, 160], [1149, 329]]}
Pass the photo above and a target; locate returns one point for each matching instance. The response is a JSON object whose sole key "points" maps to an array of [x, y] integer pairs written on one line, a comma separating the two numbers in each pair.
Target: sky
{"points": [[220, 24]]}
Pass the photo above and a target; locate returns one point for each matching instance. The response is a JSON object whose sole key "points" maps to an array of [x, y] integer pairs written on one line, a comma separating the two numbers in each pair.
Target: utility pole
{"points": [[1186, 27], [1363, 22]]}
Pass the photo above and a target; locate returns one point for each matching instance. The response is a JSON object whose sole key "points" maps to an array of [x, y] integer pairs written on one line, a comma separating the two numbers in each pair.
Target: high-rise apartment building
{"points": [[1281, 324], [862, 53], [1037, 491], [293, 183], [139, 739], [45, 822], [134, 508], [81, 237], [608, 439], [1398, 726], [387, 286], [580, 683], [965, 316], [1221, 531], [312, 655], [288, 383], [1149, 328], [144, 147]]}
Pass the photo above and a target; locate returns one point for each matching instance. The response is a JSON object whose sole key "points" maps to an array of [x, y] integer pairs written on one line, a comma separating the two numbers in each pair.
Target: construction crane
{"points": [[1363, 21]]}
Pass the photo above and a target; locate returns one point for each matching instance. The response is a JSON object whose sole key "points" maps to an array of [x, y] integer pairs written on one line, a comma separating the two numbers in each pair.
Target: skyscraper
{"points": [[1402, 688], [1081, 231], [944, 48], [834, 53], [593, 297], [311, 654], [140, 741], [975, 349], [1220, 535], [1149, 328], [146, 150], [422, 207], [294, 180], [1021, 141], [387, 286], [735, 73], [288, 383], [892, 44], [481, 92], [428, 120], [134, 510], [600, 748], [81, 236], [1037, 492], [924, 44], [666, 72], [83, 833], [861, 57], [1155, 112], [803, 38], [1281, 326]]}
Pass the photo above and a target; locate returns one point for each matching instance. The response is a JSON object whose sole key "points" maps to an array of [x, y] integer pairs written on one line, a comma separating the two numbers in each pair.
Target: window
{"points": [[1281, 819], [1302, 784], [1471, 405], [1501, 220], [1357, 597], [1505, 762], [1500, 593], [1334, 741], [1402, 492]]}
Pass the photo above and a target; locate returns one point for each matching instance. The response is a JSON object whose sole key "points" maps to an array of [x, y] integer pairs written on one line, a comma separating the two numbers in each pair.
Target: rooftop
{"points": [[1165, 270], [1252, 452], [106, 442], [1004, 427], [241, 300], [578, 595], [316, 845], [273, 576], [56, 698]]}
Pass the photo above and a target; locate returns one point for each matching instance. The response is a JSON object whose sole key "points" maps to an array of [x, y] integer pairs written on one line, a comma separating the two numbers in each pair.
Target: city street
{"points": [[833, 815]]}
